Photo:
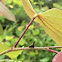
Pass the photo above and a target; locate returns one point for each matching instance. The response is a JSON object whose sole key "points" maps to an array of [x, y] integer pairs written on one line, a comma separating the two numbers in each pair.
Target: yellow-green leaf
{"points": [[52, 23], [1, 29], [50, 20], [9, 37], [12, 55], [6, 12], [29, 9], [3, 47]]}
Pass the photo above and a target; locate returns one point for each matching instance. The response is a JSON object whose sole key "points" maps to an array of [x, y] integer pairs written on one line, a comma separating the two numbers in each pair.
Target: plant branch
{"points": [[27, 48]]}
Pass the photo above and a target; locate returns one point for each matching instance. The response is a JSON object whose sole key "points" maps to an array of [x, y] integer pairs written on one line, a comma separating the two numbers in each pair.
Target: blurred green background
{"points": [[12, 31]]}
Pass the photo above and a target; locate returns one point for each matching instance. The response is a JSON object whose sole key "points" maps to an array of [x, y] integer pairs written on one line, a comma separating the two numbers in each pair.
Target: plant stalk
{"points": [[27, 48], [23, 32]]}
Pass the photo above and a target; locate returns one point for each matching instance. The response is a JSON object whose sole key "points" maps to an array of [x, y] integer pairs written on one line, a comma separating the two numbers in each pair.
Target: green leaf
{"points": [[1, 29], [9, 37], [22, 42], [18, 32], [58, 4], [36, 32], [2, 18], [3, 47], [6, 60], [12, 55], [44, 60], [31, 27], [21, 57], [32, 53]]}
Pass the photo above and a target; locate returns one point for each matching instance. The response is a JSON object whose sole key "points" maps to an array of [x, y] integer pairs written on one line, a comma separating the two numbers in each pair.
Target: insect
{"points": [[32, 45]]}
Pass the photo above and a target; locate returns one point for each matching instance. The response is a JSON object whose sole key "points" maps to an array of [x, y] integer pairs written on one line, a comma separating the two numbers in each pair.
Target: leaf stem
{"points": [[50, 50], [24, 32]]}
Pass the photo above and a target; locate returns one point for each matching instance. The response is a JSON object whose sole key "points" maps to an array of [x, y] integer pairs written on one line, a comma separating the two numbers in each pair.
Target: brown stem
{"points": [[27, 48], [23, 32]]}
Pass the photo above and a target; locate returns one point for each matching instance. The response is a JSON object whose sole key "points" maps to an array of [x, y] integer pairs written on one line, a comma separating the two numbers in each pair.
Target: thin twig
{"points": [[27, 48]]}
